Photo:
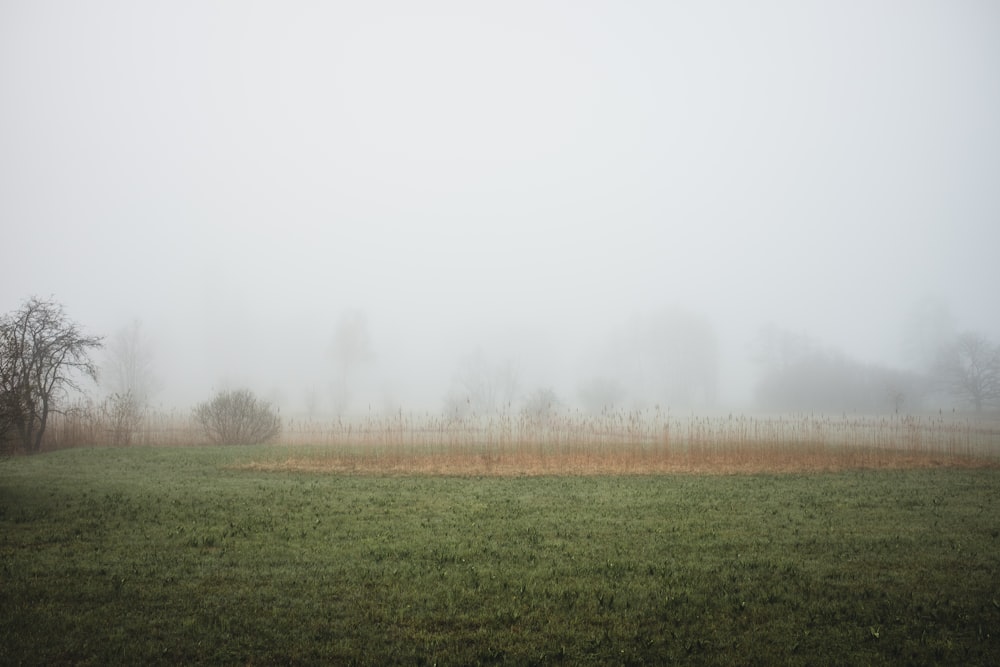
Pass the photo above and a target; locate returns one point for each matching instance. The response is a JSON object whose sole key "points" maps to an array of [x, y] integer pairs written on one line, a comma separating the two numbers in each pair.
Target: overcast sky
{"points": [[515, 177]]}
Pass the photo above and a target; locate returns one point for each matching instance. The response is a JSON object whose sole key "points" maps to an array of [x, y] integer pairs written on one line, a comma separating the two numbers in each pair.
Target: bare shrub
{"points": [[122, 414], [238, 418]]}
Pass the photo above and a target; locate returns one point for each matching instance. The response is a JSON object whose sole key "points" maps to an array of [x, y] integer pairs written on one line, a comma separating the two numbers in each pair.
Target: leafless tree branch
{"points": [[43, 357]]}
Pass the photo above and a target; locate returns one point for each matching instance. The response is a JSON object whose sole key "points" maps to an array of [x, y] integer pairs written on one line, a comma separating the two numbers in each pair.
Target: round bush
{"points": [[238, 418]]}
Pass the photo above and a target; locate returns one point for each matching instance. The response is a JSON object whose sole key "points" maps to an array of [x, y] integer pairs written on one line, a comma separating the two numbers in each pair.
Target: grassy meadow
{"points": [[294, 554]]}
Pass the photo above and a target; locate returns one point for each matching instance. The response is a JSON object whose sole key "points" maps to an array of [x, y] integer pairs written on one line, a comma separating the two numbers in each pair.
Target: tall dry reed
{"points": [[573, 441]]}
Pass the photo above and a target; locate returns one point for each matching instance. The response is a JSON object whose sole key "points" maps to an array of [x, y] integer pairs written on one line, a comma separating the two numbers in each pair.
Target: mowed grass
{"points": [[193, 555]]}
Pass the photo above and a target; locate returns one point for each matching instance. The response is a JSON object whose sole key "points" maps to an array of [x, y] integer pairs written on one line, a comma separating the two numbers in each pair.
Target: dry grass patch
{"points": [[637, 442], [806, 459]]}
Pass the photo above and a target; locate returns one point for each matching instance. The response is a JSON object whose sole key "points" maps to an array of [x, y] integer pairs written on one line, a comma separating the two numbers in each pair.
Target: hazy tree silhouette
{"points": [[969, 369], [351, 349]]}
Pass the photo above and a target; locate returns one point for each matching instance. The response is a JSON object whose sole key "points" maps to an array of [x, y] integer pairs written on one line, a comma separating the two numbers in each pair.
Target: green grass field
{"points": [[186, 556]]}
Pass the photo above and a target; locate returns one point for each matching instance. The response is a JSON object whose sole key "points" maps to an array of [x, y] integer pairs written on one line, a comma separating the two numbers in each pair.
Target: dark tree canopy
{"points": [[43, 356]]}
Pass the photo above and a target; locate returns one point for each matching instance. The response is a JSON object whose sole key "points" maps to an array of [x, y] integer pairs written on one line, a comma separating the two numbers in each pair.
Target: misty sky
{"points": [[519, 178]]}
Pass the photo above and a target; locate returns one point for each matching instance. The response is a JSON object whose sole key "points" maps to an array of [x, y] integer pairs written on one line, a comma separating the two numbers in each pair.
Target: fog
{"points": [[539, 188]]}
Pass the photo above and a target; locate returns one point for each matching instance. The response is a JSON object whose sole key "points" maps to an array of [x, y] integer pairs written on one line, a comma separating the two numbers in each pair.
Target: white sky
{"points": [[520, 177]]}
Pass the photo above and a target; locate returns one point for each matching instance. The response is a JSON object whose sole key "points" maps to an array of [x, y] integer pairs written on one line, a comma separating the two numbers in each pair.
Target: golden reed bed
{"points": [[614, 442]]}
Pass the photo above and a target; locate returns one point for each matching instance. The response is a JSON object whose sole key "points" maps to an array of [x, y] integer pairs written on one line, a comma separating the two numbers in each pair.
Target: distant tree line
{"points": [[45, 359], [798, 374]]}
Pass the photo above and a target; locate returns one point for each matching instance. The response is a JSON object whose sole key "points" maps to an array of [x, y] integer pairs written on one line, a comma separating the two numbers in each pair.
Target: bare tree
{"points": [[128, 374], [969, 369], [43, 357], [351, 349], [238, 418], [128, 365], [481, 388], [123, 416]]}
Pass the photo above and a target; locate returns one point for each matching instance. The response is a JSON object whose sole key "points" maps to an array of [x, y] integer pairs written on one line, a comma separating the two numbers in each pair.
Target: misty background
{"points": [[544, 190]]}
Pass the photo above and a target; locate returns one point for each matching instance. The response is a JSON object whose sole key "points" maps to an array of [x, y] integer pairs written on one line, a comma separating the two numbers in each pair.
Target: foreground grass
{"points": [[116, 556]]}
